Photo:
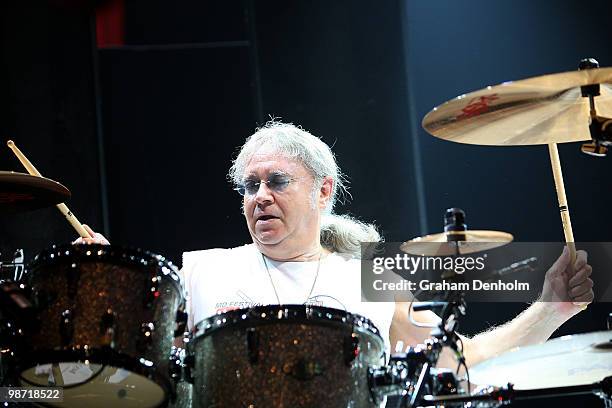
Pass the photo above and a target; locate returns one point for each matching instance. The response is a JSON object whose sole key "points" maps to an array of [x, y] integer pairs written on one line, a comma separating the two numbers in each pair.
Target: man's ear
{"points": [[325, 192]]}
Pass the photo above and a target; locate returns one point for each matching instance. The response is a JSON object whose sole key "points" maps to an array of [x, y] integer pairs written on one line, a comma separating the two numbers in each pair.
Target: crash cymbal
{"points": [[23, 192], [540, 110], [565, 361], [444, 244]]}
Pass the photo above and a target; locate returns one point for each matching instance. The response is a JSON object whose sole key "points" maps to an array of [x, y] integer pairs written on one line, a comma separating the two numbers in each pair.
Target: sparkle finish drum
{"points": [[284, 356], [106, 322]]}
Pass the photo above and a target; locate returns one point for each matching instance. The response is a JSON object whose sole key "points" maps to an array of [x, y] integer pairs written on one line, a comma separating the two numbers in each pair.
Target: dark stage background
{"points": [[142, 128]]}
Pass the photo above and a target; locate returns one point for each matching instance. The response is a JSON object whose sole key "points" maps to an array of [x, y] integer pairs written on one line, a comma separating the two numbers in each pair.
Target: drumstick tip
{"points": [[10, 143]]}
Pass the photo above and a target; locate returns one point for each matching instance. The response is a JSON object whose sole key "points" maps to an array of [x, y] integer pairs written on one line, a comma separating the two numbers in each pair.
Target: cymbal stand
{"points": [[451, 308], [600, 127], [444, 335], [412, 374]]}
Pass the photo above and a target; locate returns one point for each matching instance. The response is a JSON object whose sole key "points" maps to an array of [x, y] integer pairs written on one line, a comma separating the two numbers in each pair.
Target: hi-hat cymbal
{"points": [[562, 362], [23, 192], [540, 110], [443, 245]]}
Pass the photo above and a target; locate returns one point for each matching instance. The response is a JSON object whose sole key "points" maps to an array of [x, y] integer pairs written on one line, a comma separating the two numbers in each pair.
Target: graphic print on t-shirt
{"points": [[243, 301]]}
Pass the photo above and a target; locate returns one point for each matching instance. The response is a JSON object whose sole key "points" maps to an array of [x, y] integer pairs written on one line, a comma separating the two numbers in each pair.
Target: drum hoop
{"points": [[264, 315], [96, 252]]}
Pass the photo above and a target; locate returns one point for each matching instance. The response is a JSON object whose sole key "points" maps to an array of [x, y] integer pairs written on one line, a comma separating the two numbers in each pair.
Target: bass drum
{"points": [[284, 356], [105, 327]]}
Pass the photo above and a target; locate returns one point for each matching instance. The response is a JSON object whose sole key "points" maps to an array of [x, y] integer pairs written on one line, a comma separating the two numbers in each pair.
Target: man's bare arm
{"points": [[565, 289]]}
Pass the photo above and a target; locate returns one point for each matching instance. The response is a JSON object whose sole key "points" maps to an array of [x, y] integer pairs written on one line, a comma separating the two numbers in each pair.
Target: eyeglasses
{"points": [[275, 182]]}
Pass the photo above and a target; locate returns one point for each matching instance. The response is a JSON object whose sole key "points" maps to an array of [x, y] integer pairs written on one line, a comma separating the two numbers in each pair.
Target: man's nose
{"points": [[264, 194]]}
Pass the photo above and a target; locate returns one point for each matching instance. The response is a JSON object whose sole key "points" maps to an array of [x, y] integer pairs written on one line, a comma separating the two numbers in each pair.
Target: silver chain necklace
{"points": [[274, 286]]}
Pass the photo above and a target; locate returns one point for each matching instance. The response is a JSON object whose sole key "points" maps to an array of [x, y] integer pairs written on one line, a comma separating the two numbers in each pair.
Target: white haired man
{"points": [[304, 253]]}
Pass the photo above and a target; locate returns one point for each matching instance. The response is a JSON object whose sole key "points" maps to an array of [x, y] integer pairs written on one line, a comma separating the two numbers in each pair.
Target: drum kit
{"points": [[101, 322]]}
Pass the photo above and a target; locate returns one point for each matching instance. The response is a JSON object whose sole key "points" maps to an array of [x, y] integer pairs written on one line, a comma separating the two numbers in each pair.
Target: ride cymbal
{"points": [[540, 110], [23, 192], [456, 243]]}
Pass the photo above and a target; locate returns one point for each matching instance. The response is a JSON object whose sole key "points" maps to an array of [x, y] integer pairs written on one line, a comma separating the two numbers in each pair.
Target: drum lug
{"points": [[175, 367], [43, 299], [303, 369], [188, 365], [108, 327], [146, 335], [66, 327], [72, 282], [153, 293], [253, 345], [350, 348], [181, 321]]}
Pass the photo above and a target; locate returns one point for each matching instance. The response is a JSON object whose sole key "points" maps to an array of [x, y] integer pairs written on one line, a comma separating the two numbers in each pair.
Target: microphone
{"points": [[521, 266], [428, 306]]}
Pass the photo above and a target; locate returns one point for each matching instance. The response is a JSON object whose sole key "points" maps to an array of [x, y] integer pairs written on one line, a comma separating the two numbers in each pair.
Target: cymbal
{"points": [[565, 361], [440, 245], [23, 192], [540, 110]]}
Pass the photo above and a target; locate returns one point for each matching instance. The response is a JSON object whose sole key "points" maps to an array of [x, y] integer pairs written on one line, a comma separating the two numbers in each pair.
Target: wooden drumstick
{"points": [[72, 219], [565, 216], [563, 209]]}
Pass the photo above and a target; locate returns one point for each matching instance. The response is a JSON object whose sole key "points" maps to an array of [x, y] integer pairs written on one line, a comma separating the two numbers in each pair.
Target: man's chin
{"points": [[268, 239]]}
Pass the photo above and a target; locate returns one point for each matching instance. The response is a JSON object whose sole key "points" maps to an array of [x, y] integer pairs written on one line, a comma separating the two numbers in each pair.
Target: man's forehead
{"points": [[270, 161]]}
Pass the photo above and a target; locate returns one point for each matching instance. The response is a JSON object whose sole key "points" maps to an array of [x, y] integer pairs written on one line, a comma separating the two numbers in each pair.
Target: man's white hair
{"points": [[339, 233]]}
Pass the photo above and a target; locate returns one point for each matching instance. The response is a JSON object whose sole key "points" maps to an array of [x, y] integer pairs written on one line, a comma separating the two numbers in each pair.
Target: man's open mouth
{"points": [[266, 217]]}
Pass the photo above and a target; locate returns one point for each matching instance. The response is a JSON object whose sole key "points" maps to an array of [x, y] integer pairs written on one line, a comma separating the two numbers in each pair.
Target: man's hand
{"points": [[569, 286], [97, 238]]}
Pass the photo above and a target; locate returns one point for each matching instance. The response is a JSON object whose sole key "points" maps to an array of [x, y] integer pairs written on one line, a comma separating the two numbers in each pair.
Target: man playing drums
{"points": [[304, 253]]}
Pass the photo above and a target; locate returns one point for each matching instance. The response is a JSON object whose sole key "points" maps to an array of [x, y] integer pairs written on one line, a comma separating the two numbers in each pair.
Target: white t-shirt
{"points": [[219, 280]]}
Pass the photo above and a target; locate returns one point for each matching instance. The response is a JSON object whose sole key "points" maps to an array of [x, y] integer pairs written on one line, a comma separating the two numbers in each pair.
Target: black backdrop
{"points": [[194, 78], [49, 107]]}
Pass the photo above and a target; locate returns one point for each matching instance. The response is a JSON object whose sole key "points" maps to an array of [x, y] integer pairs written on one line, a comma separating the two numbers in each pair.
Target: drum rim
{"points": [[326, 315], [94, 252]]}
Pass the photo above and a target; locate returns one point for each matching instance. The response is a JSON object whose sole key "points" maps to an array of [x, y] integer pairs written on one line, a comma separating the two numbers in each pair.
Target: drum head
{"points": [[562, 362], [94, 385]]}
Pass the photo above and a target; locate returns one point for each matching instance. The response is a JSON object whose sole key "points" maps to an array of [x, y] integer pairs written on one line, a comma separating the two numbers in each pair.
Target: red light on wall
{"points": [[110, 23]]}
